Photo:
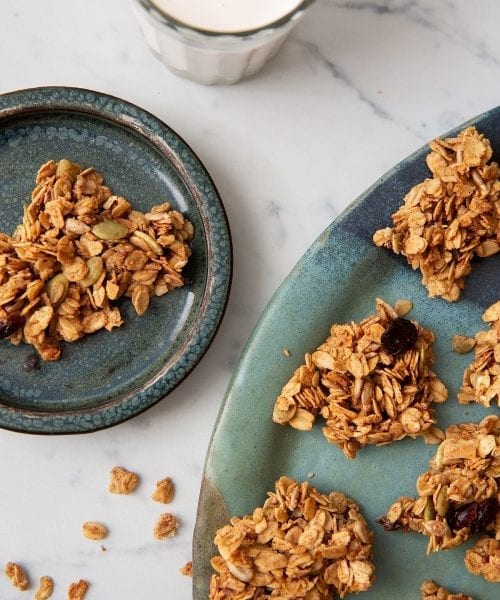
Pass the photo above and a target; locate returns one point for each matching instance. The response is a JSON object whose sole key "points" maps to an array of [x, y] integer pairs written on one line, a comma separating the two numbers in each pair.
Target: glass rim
{"points": [[166, 19]]}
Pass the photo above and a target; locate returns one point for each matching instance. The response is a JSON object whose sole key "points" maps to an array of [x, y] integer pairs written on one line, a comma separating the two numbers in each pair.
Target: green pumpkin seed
{"points": [[95, 267], [109, 230], [57, 288], [65, 167]]}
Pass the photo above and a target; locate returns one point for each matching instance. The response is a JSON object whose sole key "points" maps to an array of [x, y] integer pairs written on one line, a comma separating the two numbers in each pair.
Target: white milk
{"points": [[227, 15]]}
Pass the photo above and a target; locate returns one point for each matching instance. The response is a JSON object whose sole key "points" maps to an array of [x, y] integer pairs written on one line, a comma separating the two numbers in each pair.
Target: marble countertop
{"points": [[357, 87]]}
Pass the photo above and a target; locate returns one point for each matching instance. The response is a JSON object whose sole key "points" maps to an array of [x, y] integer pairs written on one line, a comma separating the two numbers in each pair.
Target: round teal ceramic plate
{"points": [[337, 281], [106, 378]]}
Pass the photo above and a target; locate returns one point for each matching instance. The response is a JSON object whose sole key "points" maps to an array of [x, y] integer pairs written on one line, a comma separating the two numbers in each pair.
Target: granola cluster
{"points": [[459, 495], [484, 558], [481, 382], [300, 544], [371, 381], [431, 591], [78, 250], [449, 219]]}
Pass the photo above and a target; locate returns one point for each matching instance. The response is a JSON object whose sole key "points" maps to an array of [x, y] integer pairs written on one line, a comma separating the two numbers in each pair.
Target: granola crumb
{"points": [[164, 491], [94, 530], [286, 352], [165, 527], [45, 588], [77, 591], [187, 569], [17, 576], [272, 547], [403, 307], [449, 219], [103, 548], [432, 591], [122, 481], [461, 344]]}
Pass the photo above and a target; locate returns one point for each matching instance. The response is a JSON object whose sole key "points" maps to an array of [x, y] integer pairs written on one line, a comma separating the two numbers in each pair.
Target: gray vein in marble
{"points": [[425, 16]]}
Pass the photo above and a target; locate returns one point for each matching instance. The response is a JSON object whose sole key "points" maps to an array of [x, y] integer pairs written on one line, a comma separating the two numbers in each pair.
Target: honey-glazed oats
{"points": [[458, 496], [449, 219], [299, 544], [431, 591], [93, 530], [481, 381], [187, 569], [78, 250], [371, 381]]}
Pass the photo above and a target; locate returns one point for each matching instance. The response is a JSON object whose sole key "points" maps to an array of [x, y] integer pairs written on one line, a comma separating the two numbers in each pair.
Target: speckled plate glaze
{"points": [[109, 377], [337, 281]]}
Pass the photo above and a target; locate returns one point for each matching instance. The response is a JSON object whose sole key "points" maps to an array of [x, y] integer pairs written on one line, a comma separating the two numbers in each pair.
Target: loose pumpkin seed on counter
{"points": [[78, 250]]}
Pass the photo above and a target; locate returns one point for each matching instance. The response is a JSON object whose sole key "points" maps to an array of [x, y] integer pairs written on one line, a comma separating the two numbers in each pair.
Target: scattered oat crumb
{"points": [[17, 576], [94, 531], [103, 548], [164, 491], [403, 307], [286, 352], [122, 481], [431, 591], [77, 590], [45, 588], [461, 344], [165, 526], [187, 569], [310, 475]]}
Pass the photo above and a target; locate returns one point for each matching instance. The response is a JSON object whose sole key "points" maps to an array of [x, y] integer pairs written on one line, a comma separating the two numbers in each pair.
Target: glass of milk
{"points": [[217, 41]]}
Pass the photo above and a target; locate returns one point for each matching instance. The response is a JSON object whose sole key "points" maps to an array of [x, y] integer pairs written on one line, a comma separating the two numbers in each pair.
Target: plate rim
{"points": [[219, 269], [208, 488]]}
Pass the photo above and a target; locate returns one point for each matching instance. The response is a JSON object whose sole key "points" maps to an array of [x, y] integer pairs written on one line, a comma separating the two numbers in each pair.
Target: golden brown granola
{"points": [[481, 381], [366, 394], [187, 569], [431, 591], [448, 220], [459, 495], [165, 527], [78, 250], [122, 481], [300, 544], [45, 588], [164, 491], [94, 530], [17, 576], [78, 590], [484, 558]]}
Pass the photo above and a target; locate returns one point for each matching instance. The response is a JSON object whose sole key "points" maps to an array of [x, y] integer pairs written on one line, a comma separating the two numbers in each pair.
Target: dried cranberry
{"points": [[476, 516], [9, 325], [400, 336]]}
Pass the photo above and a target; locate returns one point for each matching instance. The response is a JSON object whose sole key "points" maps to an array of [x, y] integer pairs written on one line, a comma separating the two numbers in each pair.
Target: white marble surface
{"points": [[357, 87]]}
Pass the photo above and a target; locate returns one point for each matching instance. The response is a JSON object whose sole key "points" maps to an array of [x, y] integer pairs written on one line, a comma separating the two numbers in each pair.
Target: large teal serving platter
{"points": [[106, 378], [336, 281]]}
